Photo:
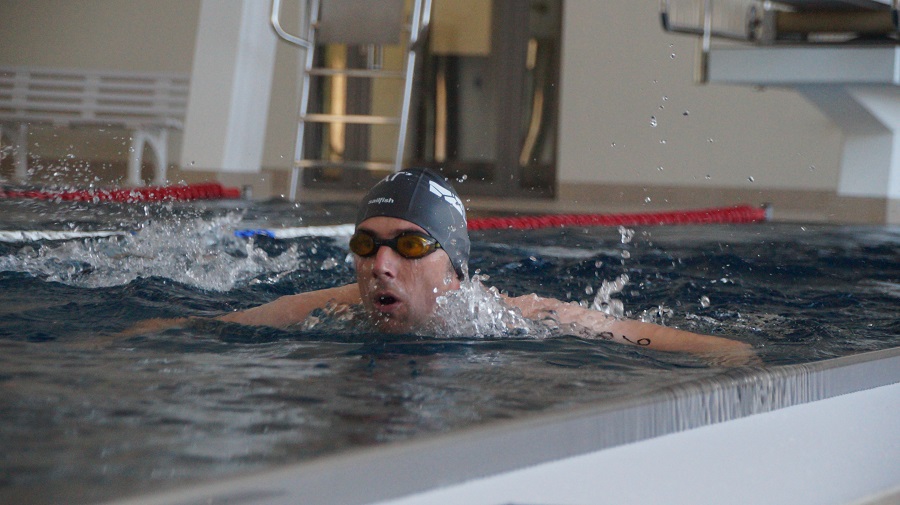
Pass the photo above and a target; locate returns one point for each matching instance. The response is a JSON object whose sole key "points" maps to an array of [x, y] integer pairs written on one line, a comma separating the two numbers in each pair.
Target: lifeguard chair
{"points": [[365, 24]]}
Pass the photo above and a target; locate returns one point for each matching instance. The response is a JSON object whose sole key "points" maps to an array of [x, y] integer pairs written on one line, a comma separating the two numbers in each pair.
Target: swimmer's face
{"points": [[400, 294]]}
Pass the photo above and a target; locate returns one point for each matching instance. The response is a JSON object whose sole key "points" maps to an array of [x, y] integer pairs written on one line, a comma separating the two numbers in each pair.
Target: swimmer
{"points": [[411, 246]]}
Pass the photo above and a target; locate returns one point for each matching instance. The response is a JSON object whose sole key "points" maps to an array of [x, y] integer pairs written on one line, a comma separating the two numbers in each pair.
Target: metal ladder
{"points": [[354, 22]]}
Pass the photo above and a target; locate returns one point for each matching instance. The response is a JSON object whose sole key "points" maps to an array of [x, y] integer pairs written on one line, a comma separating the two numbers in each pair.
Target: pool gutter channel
{"points": [[368, 475]]}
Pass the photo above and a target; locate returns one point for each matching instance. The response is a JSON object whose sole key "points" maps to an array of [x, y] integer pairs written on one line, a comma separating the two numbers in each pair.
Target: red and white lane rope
{"points": [[737, 215]]}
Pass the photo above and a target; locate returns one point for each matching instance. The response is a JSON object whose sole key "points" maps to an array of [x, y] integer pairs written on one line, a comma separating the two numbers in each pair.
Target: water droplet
{"points": [[662, 141], [704, 302], [665, 98], [672, 56], [710, 140], [588, 290], [612, 145], [660, 168], [751, 179], [708, 177], [812, 168], [686, 113], [647, 200], [626, 255], [653, 121]]}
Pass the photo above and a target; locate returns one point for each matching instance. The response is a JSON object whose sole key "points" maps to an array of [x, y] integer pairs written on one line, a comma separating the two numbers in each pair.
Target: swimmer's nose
{"points": [[385, 262]]}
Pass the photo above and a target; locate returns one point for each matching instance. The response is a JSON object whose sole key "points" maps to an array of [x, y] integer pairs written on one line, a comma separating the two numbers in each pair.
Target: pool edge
{"points": [[394, 470]]}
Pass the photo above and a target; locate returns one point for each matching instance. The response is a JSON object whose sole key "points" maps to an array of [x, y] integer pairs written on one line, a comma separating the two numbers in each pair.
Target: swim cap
{"points": [[426, 199]]}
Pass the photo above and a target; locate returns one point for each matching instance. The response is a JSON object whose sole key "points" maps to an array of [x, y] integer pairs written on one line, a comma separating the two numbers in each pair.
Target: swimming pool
{"points": [[88, 417]]}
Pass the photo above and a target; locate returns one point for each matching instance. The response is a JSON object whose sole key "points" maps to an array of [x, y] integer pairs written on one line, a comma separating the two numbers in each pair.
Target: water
{"points": [[87, 416]]}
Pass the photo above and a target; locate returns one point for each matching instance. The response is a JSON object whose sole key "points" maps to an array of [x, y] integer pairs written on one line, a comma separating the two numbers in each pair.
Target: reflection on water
{"points": [[86, 416]]}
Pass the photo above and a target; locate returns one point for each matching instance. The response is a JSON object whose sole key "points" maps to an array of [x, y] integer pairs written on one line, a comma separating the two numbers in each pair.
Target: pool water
{"points": [[87, 415]]}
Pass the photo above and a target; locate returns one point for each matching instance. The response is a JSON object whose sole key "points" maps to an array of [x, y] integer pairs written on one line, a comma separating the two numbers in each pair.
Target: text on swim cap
{"points": [[448, 196], [381, 200]]}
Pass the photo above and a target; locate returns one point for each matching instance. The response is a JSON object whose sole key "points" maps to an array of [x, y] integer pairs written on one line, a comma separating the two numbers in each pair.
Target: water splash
{"points": [[604, 302], [478, 311], [197, 252]]}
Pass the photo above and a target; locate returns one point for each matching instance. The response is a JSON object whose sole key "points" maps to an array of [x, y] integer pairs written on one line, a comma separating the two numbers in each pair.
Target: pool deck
{"points": [[788, 206]]}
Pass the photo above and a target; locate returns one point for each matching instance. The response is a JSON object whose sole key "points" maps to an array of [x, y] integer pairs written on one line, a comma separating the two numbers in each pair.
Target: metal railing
{"points": [[787, 22]]}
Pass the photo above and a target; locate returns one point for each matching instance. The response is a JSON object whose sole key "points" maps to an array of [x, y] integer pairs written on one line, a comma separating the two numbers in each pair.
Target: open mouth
{"points": [[386, 300]]}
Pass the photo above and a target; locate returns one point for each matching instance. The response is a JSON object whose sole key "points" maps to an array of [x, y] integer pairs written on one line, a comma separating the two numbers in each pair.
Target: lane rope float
{"points": [[206, 191], [741, 214], [725, 215]]}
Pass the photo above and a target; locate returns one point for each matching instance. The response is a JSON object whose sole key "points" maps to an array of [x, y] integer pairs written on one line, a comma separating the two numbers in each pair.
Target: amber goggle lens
{"points": [[411, 245]]}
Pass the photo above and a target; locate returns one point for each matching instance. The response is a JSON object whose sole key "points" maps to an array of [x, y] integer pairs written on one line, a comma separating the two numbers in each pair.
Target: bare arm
{"points": [[633, 332], [280, 313], [293, 309]]}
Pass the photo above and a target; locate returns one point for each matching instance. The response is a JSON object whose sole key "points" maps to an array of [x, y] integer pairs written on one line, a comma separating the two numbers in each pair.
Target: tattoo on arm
{"points": [[640, 341]]}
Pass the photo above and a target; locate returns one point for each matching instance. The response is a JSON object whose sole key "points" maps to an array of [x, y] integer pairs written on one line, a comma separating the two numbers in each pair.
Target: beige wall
{"points": [[155, 35], [617, 73], [619, 68], [130, 35]]}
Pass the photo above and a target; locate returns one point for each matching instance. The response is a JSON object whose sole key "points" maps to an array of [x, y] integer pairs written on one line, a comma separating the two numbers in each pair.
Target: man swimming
{"points": [[411, 246]]}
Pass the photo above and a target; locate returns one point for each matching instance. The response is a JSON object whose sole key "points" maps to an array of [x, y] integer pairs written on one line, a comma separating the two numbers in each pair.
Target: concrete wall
{"points": [[619, 71], [155, 36], [130, 35]]}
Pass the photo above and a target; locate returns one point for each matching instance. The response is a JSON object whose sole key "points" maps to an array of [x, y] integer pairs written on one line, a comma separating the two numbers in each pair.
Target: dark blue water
{"points": [[86, 415]]}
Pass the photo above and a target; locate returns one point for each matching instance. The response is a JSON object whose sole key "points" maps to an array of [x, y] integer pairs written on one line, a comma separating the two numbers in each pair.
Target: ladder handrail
{"points": [[418, 26], [276, 23], [421, 19]]}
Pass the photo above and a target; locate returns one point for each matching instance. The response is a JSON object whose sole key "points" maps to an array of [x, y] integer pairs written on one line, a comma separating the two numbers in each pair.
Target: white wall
{"points": [[617, 67], [618, 70]]}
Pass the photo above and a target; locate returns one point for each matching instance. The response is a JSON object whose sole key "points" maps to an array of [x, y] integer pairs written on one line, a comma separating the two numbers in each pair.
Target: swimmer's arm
{"points": [[293, 309], [280, 313], [632, 332]]}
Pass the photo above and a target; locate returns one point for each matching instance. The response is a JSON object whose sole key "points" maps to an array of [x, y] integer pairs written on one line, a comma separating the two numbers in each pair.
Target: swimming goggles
{"points": [[410, 244]]}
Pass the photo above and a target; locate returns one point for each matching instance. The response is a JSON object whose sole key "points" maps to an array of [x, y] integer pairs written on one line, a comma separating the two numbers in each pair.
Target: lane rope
{"points": [[724, 215], [35, 235], [736, 214], [741, 214], [206, 191], [341, 230]]}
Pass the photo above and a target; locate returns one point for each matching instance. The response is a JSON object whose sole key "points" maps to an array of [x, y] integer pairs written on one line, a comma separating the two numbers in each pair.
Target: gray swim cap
{"points": [[426, 199]]}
